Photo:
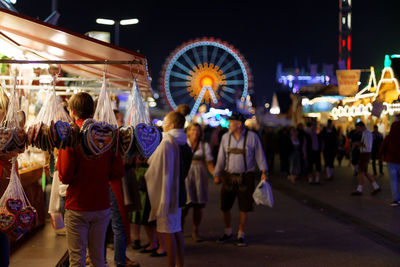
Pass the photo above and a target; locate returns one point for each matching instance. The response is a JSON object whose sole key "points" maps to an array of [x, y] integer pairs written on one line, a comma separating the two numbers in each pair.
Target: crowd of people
{"points": [[304, 151]]}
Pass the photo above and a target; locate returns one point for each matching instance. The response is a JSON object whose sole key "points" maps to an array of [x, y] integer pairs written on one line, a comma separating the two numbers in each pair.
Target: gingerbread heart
{"points": [[6, 136], [26, 217], [63, 130], [100, 137], [147, 138], [19, 136], [126, 139], [7, 221], [14, 205], [17, 232]]}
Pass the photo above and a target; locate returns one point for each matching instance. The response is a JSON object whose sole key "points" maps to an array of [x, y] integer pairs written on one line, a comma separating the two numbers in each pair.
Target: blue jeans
{"points": [[394, 173], [4, 250], [118, 230]]}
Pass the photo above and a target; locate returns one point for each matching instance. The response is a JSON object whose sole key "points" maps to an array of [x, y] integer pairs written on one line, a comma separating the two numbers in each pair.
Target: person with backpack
{"points": [[197, 178], [239, 152], [165, 184]]}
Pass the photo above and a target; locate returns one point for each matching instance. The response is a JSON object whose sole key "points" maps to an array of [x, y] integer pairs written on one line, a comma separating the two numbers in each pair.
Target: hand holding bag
{"points": [[263, 194]]}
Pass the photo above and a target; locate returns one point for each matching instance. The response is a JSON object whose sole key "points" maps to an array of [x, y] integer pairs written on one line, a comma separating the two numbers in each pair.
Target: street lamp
{"points": [[116, 24]]}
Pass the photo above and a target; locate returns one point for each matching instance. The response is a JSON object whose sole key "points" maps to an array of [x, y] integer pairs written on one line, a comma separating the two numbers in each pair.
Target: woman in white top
{"points": [[197, 179]]}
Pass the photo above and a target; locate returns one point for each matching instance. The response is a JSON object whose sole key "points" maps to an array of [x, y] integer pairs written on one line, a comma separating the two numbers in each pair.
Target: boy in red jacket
{"points": [[87, 202]]}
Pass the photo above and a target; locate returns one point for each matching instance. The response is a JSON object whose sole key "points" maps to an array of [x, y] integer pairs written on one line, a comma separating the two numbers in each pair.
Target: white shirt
{"points": [[366, 140]]}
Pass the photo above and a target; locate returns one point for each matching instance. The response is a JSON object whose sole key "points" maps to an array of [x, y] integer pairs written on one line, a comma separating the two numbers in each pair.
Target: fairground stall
{"points": [[38, 59]]}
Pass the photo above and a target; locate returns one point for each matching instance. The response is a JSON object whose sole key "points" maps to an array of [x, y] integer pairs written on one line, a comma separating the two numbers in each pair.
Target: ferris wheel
{"points": [[205, 71]]}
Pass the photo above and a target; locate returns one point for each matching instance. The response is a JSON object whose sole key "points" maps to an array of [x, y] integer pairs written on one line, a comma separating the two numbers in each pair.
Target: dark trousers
{"points": [[270, 157], [374, 159], [4, 250]]}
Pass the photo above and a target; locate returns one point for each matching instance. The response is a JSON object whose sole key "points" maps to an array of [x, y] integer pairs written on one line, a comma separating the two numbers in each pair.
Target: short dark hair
{"points": [[360, 124], [82, 104]]}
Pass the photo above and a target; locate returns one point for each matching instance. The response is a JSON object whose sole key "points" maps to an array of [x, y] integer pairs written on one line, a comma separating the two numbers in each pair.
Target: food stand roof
{"points": [[44, 41]]}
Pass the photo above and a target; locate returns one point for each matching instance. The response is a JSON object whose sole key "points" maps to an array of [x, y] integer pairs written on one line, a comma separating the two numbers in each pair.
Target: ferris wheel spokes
{"points": [[182, 67], [227, 97], [214, 55], [179, 75], [205, 54], [227, 66], [228, 89], [234, 82], [188, 60], [233, 73], [222, 59], [196, 56]]}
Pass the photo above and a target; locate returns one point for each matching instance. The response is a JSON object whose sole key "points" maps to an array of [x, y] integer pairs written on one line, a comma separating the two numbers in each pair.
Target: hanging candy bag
{"points": [[17, 215]]}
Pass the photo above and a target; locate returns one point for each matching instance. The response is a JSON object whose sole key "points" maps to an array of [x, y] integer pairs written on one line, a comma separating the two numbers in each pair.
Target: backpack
{"points": [[186, 155]]}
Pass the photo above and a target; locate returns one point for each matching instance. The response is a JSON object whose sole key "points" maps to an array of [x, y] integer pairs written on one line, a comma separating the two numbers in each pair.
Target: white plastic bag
{"points": [[104, 111], [263, 194], [137, 110]]}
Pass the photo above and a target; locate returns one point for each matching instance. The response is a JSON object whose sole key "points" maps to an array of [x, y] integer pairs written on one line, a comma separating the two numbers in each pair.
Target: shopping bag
{"points": [[263, 194]]}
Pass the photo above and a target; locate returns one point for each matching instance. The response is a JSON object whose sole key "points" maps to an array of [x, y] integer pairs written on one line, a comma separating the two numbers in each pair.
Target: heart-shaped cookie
{"points": [[147, 138], [100, 137], [6, 136], [26, 217], [63, 130], [7, 221], [14, 205], [126, 140]]}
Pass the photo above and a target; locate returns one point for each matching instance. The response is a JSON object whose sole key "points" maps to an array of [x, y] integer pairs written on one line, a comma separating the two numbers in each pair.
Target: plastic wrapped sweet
{"points": [[99, 134], [12, 133], [17, 215]]}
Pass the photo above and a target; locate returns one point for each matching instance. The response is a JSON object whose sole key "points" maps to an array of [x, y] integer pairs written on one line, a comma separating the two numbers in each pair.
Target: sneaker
{"points": [[395, 203], [241, 242], [356, 193], [223, 239], [375, 191]]}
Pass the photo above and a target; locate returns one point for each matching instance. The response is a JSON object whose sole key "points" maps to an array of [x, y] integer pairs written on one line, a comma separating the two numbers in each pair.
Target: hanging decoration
{"points": [[101, 133], [12, 133], [17, 215], [53, 127]]}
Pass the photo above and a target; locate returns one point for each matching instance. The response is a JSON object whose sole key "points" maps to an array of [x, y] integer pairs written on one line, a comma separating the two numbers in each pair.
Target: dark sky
{"points": [[279, 31]]}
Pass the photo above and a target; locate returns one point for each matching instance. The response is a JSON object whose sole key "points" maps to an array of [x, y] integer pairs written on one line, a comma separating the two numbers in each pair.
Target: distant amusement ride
{"points": [[205, 71]]}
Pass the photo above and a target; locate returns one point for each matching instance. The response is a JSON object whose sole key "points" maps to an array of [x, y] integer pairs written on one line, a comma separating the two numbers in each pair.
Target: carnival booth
{"points": [[41, 66], [375, 104]]}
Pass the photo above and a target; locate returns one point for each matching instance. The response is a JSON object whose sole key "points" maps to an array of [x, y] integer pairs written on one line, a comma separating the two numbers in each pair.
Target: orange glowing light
{"points": [[206, 81]]}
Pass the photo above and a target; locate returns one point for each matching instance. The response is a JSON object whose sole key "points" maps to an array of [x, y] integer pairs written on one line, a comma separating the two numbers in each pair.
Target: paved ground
{"points": [[296, 233]]}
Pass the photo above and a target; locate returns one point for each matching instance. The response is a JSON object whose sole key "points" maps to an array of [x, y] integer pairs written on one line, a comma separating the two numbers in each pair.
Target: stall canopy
{"points": [[42, 41]]}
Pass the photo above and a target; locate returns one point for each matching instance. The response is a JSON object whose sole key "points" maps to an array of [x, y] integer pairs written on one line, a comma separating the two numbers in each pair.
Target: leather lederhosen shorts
{"points": [[238, 185]]}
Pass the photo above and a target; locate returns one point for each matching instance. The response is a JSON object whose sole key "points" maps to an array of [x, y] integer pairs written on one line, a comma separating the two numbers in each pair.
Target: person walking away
{"points": [[301, 133], [341, 152], [285, 146], [355, 138], [377, 139], [390, 153], [313, 152], [197, 178], [329, 147], [87, 207], [297, 153], [365, 155], [238, 154], [163, 185], [269, 144]]}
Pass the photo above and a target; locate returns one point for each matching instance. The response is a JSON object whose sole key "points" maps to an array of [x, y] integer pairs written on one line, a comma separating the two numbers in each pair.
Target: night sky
{"points": [[280, 32]]}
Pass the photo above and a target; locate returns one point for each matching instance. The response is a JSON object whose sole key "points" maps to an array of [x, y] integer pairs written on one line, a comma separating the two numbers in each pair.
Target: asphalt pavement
{"points": [[308, 226]]}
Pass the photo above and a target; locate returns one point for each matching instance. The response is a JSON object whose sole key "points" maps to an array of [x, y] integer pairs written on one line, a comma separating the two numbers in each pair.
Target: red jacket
{"points": [[390, 148], [88, 179]]}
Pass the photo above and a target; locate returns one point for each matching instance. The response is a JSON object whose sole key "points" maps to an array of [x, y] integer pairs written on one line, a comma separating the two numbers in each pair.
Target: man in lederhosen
{"points": [[239, 151]]}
